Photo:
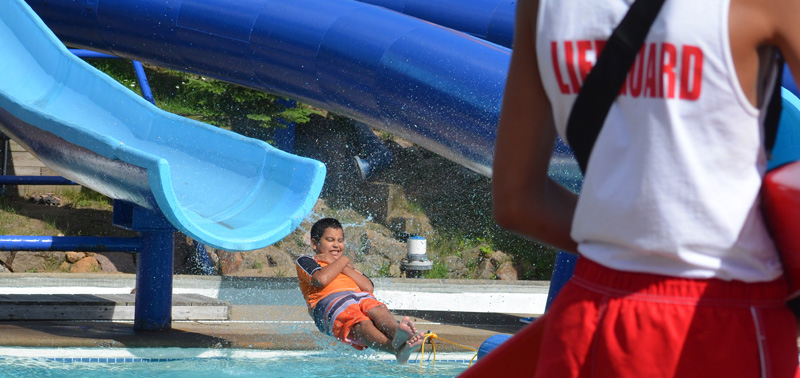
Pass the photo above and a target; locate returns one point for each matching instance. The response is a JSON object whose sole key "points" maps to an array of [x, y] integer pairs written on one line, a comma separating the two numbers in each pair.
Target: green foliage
{"points": [[438, 270], [450, 244], [384, 270], [212, 101], [52, 263], [84, 197]]}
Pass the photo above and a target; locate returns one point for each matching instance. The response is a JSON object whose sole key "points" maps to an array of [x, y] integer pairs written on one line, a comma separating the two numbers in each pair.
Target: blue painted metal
{"points": [[428, 84], [284, 137], [137, 68], [35, 180], [435, 87], [229, 192], [562, 272], [89, 54], [130, 216], [153, 310], [492, 20], [144, 85], [375, 156], [69, 243]]}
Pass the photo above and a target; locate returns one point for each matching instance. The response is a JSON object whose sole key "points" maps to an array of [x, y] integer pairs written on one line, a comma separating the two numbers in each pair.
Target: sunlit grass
{"points": [[84, 197]]}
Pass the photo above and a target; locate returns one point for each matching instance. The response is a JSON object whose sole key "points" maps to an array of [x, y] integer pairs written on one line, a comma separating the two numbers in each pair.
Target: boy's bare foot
{"points": [[406, 339], [404, 331], [409, 347]]}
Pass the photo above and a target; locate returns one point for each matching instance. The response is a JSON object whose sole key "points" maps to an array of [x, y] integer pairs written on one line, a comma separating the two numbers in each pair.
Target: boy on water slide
{"points": [[340, 298]]}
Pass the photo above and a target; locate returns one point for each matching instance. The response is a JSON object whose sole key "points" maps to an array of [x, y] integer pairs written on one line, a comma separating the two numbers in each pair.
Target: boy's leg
{"points": [[383, 320], [399, 332], [407, 339], [372, 336]]}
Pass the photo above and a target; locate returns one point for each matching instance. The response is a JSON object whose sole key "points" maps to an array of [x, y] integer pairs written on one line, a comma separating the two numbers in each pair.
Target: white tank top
{"points": [[672, 185]]}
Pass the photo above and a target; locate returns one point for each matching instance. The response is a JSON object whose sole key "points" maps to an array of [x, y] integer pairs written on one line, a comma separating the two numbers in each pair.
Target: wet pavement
{"points": [[272, 317]]}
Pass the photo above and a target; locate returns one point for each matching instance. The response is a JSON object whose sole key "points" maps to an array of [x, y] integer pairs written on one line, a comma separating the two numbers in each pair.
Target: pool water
{"points": [[266, 364]]}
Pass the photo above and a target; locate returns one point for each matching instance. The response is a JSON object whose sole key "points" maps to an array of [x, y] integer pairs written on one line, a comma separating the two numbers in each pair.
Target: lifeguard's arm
{"points": [[787, 32], [525, 199], [754, 24]]}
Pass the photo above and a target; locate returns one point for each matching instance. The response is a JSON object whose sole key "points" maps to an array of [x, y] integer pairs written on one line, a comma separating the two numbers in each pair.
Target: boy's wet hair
{"points": [[323, 224]]}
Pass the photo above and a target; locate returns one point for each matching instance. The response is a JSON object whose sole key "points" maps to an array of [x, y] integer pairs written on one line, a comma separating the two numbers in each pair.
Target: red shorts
{"points": [[339, 312], [607, 323]]}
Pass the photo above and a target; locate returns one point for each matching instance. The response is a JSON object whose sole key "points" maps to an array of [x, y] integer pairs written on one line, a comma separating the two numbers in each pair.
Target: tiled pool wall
{"points": [[155, 355]]}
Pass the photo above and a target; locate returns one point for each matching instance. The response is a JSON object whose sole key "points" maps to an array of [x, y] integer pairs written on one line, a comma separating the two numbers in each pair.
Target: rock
{"points": [[416, 224], [485, 270], [372, 266], [455, 267], [472, 254], [374, 243], [7, 260], [116, 262], [507, 272], [73, 257], [270, 257], [277, 258], [87, 264], [394, 270], [499, 258], [230, 262], [37, 261]]}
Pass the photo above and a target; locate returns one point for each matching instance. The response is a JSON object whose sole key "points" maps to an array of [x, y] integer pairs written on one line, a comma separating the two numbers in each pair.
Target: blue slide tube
{"points": [[492, 20], [429, 84], [223, 189]]}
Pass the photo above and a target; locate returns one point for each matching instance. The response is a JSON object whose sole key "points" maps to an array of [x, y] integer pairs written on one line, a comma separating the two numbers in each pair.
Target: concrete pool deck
{"points": [[268, 313]]}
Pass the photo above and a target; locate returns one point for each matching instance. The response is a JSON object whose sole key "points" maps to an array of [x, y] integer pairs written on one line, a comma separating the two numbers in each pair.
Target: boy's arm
{"points": [[363, 282], [322, 277]]}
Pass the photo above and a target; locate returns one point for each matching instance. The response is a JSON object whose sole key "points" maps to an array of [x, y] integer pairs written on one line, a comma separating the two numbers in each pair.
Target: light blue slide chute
{"points": [[224, 189]]}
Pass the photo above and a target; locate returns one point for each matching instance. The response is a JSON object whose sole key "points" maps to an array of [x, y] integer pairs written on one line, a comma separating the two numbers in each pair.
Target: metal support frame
{"points": [[153, 310], [138, 68], [375, 157], [284, 137], [562, 272], [35, 180], [155, 247], [69, 243]]}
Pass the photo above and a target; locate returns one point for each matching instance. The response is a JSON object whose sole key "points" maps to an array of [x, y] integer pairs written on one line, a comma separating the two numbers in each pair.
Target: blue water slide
{"points": [[787, 141], [492, 20], [434, 86], [221, 188]]}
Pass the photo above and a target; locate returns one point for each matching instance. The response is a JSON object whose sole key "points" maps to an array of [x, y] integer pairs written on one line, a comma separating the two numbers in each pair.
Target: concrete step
{"points": [[118, 307]]}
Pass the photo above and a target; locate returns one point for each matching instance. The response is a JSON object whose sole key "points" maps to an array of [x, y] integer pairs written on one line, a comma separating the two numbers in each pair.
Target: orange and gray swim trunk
{"points": [[337, 313]]}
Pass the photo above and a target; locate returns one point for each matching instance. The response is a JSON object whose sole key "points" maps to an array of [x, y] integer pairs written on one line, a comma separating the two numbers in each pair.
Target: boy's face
{"points": [[331, 243]]}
